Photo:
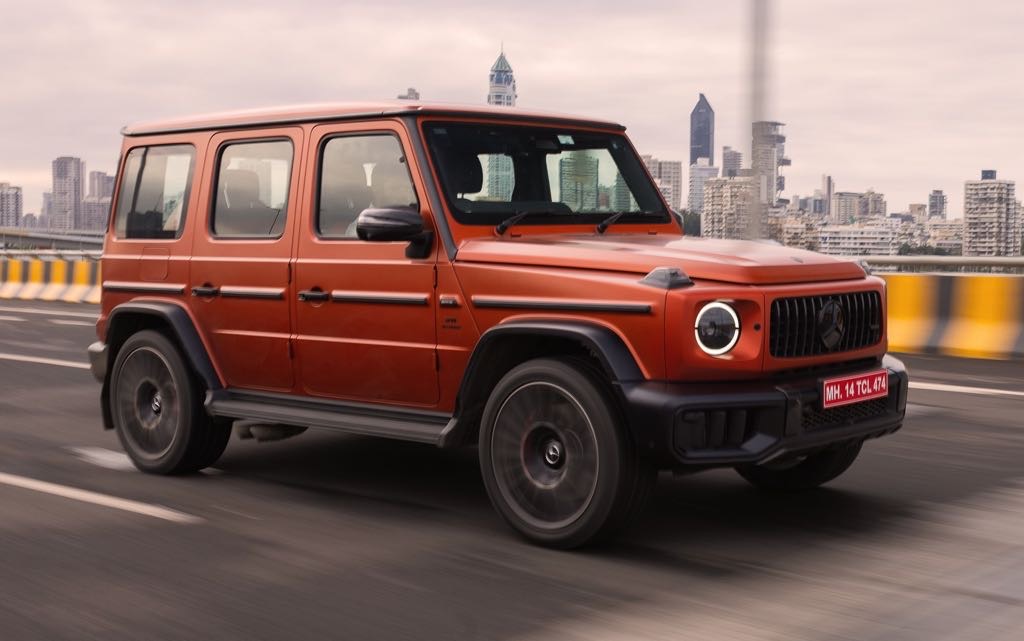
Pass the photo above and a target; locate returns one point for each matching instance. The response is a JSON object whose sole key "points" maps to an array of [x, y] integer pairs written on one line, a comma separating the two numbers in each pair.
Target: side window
{"points": [[253, 179], [155, 186], [357, 173]]}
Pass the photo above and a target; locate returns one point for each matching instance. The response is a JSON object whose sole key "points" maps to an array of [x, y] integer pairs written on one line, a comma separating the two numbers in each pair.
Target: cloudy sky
{"points": [[903, 96]]}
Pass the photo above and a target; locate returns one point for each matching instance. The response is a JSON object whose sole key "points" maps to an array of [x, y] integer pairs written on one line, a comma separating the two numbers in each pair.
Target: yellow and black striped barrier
{"points": [[973, 315], [45, 278]]}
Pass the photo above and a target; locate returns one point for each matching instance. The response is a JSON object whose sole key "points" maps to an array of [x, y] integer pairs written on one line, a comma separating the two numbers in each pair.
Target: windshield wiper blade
{"points": [[504, 225], [603, 226]]}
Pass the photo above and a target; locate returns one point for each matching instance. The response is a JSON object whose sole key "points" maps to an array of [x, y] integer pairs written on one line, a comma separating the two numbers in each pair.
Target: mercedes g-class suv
{"points": [[472, 276]]}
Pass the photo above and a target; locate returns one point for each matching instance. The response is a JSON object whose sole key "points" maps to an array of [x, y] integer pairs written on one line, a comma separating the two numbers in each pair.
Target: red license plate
{"points": [[854, 389]]}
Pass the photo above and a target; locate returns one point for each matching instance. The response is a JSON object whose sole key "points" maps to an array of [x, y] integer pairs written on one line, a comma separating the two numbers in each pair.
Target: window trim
{"points": [[186, 197], [318, 176], [212, 207]]}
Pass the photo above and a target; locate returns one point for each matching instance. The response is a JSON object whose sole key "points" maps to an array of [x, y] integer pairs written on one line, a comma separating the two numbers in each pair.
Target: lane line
{"points": [[61, 321], [47, 312], [960, 389], [42, 361], [95, 498], [13, 319]]}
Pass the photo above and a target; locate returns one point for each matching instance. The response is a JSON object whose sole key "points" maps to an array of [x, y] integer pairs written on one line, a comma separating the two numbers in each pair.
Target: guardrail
{"points": [[960, 264], [72, 276]]}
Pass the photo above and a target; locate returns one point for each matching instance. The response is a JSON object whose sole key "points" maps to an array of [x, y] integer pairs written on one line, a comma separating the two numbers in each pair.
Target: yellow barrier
{"points": [[50, 279]]}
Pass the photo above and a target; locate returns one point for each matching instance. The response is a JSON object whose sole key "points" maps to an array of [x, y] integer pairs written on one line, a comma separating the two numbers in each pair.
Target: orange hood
{"points": [[730, 261]]}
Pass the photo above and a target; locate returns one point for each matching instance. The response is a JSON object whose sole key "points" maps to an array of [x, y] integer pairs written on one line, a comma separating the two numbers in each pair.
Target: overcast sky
{"points": [[903, 96]]}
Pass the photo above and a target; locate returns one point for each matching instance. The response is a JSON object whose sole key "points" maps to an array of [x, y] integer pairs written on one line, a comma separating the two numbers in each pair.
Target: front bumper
{"points": [[726, 424], [98, 360]]}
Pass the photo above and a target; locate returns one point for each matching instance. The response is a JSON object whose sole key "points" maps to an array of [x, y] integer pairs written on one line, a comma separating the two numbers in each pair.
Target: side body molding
{"points": [[605, 345]]}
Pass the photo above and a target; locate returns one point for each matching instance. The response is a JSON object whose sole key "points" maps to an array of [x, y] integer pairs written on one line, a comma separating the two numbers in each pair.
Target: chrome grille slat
{"points": [[793, 330]]}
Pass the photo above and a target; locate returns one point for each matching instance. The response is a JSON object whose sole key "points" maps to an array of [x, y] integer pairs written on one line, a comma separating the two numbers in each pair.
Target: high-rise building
{"points": [[578, 181], [725, 211], [768, 155], [410, 94], [937, 204], [621, 196], [10, 205], [992, 225], [669, 176], [101, 185], [732, 162], [68, 191], [919, 211], [502, 93], [845, 207], [828, 187], [873, 204], [702, 131], [700, 173], [875, 239]]}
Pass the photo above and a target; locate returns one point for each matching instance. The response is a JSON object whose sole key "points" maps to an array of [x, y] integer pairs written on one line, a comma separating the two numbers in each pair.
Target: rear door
{"points": [[240, 278], [365, 316]]}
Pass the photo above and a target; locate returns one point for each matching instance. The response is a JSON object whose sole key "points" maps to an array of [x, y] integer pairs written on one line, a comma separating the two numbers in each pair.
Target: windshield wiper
{"points": [[504, 225], [603, 226]]}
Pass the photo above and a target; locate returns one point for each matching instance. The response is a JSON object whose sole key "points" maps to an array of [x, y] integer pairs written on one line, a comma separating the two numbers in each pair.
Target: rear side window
{"points": [[253, 179], [357, 173], [154, 192]]}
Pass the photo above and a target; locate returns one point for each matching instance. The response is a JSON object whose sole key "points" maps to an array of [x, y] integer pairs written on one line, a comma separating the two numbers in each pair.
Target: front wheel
{"points": [[555, 459], [802, 473]]}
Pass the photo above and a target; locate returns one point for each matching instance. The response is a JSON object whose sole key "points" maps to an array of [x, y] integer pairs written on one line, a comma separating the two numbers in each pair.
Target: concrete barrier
{"points": [[72, 280], [973, 315]]}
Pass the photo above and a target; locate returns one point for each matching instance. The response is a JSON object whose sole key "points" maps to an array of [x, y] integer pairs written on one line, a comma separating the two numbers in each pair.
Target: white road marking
{"points": [[102, 457], [13, 319], [95, 498], [47, 312], [61, 321], [960, 389], [42, 361]]}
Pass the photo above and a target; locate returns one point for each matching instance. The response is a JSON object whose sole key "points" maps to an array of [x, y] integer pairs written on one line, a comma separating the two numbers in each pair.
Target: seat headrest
{"points": [[463, 173], [240, 188]]}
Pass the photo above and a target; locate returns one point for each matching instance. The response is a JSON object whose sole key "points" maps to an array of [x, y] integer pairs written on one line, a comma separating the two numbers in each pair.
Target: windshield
{"points": [[490, 172]]}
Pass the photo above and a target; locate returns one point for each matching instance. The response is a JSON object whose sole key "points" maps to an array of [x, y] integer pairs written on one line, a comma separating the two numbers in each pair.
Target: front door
{"points": [[365, 316], [240, 287]]}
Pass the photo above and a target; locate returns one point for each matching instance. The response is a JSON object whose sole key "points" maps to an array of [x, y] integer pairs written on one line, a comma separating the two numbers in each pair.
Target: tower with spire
{"points": [[503, 83], [702, 132]]}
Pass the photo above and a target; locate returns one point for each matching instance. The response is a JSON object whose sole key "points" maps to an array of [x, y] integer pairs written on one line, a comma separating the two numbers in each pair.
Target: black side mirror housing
{"points": [[396, 224]]}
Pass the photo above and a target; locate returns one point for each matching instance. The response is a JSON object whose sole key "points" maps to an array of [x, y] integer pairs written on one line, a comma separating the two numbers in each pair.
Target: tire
{"points": [[811, 472], [555, 458], [157, 409]]}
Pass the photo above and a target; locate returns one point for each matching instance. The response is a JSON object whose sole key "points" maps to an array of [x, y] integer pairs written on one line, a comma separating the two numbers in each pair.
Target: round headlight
{"points": [[717, 328]]}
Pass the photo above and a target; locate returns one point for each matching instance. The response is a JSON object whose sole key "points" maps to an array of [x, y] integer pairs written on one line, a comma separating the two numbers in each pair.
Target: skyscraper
{"points": [[100, 184], [10, 205], [992, 225], [768, 155], [828, 188], [68, 191], [578, 180], [732, 162], [725, 211], [700, 173], [937, 204], [502, 93], [669, 176], [702, 132]]}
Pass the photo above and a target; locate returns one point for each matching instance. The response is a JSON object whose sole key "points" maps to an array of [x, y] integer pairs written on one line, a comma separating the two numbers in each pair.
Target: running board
{"points": [[368, 420]]}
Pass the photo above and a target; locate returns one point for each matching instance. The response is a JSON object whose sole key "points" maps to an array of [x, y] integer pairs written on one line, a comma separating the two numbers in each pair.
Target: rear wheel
{"points": [[803, 473], [556, 462], [157, 409]]}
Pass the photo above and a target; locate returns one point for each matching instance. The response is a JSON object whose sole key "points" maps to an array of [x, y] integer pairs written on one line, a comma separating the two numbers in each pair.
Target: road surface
{"points": [[327, 536]]}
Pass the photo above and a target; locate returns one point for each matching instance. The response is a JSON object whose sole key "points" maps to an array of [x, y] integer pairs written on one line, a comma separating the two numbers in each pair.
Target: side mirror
{"points": [[389, 224]]}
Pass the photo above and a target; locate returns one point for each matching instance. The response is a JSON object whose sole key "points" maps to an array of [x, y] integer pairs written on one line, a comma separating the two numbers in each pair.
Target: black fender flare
{"points": [[608, 348], [183, 331]]}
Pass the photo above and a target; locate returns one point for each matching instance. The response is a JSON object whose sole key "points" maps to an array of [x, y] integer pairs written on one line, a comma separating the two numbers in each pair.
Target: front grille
{"points": [[794, 331], [816, 418]]}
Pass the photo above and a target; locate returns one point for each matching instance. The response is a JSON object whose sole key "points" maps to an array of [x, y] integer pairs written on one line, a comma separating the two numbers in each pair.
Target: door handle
{"points": [[314, 296], [205, 290]]}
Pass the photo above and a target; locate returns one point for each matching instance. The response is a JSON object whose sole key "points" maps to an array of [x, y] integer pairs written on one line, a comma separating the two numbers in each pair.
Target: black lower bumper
{"points": [[725, 424]]}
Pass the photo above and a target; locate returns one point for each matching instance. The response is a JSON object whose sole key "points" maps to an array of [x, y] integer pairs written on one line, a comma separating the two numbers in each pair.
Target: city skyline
{"points": [[875, 104]]}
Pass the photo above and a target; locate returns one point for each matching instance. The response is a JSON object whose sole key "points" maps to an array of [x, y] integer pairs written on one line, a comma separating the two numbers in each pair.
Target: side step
{"points": [[405, 425]]}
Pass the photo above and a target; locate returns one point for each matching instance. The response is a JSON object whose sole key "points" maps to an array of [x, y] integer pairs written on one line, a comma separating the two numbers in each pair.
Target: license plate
{"points": [[845, 390]]}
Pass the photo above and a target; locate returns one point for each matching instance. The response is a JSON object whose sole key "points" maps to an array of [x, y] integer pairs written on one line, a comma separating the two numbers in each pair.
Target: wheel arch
{"points": [[504, 346], [171, 319]]}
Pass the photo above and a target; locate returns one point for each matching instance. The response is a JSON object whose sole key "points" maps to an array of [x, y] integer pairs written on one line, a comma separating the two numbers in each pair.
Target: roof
{"points": [[349, 111], [501, 64]]}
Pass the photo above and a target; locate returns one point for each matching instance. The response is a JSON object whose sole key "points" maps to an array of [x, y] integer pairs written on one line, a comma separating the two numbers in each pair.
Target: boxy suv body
{"points": [[462, 276]]}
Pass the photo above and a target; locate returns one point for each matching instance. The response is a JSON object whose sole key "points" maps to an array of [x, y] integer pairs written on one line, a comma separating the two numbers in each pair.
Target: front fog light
{"points": [[717, 328]]}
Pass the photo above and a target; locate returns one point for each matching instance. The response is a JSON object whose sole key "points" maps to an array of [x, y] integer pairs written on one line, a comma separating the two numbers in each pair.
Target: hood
{"points": [[730, 261]]}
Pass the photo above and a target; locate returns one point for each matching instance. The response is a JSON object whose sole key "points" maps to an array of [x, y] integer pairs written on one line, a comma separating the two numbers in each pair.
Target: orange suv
{"points": [[472, 276]]}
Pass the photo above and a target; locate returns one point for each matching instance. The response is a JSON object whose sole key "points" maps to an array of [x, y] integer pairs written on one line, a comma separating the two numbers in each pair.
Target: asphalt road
{"points": [[326, 536]]}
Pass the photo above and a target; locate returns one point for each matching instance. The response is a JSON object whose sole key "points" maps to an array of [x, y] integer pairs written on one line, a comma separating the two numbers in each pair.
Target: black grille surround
{"points": [[793, 330]]}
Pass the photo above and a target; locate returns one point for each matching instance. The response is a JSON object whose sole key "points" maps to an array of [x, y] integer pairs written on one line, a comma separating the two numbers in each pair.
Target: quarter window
{"points": [[253, 179], [357, 173], [155, 187]]}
